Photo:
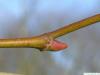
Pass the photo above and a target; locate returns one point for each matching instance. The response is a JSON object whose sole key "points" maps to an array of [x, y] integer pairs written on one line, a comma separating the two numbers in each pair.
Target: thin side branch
{"points": [[75, 26]]}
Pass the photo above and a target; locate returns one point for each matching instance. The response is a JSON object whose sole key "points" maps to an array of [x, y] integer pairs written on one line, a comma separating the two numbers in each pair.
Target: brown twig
{"points": [[41, 41], [75, 26]]}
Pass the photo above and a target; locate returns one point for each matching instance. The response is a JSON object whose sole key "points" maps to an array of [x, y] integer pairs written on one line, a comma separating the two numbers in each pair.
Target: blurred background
{"points": [[26, 18]]}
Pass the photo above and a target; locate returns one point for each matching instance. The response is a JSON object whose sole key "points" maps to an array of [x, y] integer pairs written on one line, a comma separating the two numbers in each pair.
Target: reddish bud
{"points": [[57, 45]]}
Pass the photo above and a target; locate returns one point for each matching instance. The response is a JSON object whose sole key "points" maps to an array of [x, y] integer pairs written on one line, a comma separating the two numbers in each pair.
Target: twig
{"points": [[47, 41], [75, 26]]}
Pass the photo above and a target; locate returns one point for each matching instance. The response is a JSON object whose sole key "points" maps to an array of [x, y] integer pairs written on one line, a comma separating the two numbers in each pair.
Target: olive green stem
{"points": [[75, 26], [34, 42], [40, 41]]}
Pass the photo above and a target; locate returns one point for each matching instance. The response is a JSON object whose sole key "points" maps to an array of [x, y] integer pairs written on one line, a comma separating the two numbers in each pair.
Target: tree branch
{"points": [[47, 41], [75, 26]]}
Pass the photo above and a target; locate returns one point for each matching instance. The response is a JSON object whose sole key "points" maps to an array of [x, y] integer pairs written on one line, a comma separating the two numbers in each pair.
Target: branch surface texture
{"points": [[47, 41]]}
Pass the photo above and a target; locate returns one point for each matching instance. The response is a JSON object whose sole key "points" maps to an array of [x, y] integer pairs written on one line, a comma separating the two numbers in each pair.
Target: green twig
{"points": [[41, 42], [75, 26]]}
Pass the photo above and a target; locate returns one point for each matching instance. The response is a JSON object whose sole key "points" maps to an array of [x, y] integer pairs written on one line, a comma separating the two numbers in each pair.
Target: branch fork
{"points": [[47, 41]]}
